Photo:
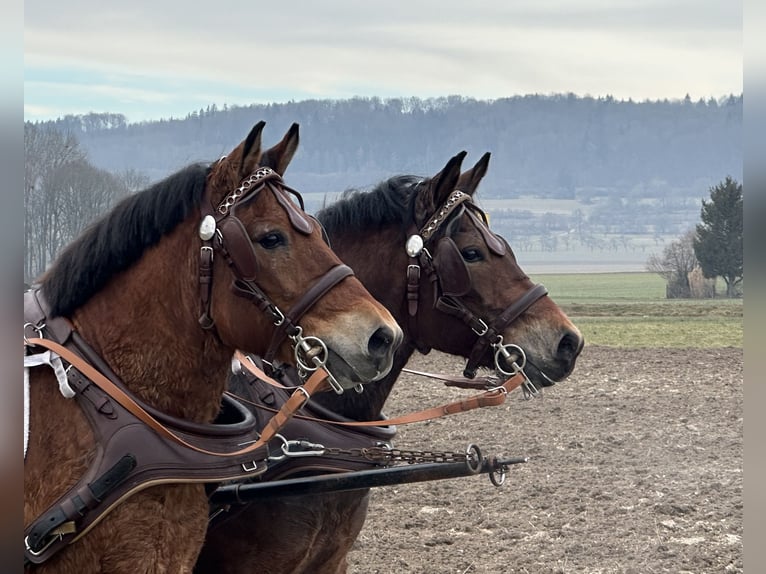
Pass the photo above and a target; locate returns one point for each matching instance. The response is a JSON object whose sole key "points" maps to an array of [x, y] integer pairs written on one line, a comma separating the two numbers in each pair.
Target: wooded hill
{"points": [[574, 182], [559, 146]]}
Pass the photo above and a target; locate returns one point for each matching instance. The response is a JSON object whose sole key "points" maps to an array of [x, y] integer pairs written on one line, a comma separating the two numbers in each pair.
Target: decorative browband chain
{"points": [[259, 175], [453, 201]]}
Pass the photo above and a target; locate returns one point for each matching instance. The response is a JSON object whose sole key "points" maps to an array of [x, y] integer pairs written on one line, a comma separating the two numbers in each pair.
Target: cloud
{"points": [[341, 48]]}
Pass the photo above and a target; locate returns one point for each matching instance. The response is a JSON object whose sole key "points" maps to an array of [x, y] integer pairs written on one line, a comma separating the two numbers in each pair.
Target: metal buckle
{"points": [[483, 326], [252, 468], [306, 395], [53, 540]]}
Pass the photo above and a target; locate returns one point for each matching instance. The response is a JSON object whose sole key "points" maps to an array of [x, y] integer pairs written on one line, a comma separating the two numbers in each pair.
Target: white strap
{"points": [[54, 361]]}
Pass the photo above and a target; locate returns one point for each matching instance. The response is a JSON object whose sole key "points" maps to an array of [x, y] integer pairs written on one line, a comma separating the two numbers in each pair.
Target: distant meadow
{"points": [[630, 310]]}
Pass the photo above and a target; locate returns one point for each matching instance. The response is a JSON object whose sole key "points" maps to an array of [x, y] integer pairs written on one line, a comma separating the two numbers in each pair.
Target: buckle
{"points": [[55, 538]]}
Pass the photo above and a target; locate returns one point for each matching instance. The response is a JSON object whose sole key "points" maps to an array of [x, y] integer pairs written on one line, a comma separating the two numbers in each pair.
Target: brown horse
{"points": [[131, 287], [477, 275]]}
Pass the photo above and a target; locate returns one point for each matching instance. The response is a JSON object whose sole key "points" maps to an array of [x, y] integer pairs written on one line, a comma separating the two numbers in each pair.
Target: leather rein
{"points": [[494, 395]]}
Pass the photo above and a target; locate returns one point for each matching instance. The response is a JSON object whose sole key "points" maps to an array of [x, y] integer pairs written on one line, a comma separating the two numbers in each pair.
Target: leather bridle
{"points": [[222, 231], [451, 280]]}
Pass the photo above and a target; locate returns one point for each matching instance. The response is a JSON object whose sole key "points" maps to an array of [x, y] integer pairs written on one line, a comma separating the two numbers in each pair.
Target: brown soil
{"points": [[635, 466]]}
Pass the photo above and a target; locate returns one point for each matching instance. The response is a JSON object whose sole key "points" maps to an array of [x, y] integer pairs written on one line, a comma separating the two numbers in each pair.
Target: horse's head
{"points": [[275, 282], [494, 309]]}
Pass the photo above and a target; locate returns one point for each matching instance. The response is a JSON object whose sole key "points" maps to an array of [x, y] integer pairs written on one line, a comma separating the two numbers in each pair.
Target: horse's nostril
{"points": [[381, 342], [570, 345]]}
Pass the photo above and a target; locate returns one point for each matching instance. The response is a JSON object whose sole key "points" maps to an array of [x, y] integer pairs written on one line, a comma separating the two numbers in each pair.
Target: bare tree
{"points": [[674, 266], [133, 180], [46, 149], [63, 193], [82, 193]]}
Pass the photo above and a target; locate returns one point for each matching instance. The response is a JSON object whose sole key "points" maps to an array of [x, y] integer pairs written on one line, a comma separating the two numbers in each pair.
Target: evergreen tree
{"points": [[718, 245]]}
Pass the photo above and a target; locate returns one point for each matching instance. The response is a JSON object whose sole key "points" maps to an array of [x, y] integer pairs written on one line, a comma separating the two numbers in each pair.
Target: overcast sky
{"points": [[165, 58]]}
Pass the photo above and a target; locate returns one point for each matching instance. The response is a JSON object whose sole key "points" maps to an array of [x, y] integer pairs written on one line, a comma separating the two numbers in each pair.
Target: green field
{"points": [[630, 310]]}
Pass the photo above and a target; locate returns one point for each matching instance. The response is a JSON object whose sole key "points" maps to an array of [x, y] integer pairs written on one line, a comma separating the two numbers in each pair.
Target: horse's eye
{"points": [[471, 254], [271, 240]]}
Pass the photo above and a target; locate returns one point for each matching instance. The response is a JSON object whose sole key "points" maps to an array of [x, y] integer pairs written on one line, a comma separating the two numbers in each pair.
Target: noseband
{"points": [[451, 280], [223, 232]]}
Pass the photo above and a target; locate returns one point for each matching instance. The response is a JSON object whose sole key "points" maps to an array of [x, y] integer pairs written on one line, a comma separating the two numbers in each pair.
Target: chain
{"points": [[455, 197], [254, 178], [389, 455]]}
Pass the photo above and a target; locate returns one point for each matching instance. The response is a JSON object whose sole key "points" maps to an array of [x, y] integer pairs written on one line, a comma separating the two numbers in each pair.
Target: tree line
{"points": [[560, 146]]}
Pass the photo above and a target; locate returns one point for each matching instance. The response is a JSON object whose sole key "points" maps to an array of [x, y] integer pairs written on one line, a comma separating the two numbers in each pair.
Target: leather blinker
{"points": [[495, 244], [298, 219], [454, 277], [237, 243]]}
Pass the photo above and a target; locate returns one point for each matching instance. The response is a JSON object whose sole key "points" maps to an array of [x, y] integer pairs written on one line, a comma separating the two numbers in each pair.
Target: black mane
{"points": [[388, 202], [119, 238]]}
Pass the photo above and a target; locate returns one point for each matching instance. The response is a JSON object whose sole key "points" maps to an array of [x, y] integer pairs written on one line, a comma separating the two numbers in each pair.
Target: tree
{"points": [[677, 262], [46, 149], [718, 241], [63, 193]]}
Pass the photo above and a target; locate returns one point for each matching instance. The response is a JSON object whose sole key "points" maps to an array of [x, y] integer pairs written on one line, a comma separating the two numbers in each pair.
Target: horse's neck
{"points": [[144, 326], [380, 263]]}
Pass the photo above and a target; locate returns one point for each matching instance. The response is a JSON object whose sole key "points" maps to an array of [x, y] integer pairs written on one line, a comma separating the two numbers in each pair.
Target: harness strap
{"points": [[508, 316], [492, 397], [60, 519], [482, 383], [314, 293], [316, 382]]}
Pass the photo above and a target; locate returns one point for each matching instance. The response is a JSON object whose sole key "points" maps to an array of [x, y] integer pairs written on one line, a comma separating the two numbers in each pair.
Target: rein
{"points": [[494, 396]]}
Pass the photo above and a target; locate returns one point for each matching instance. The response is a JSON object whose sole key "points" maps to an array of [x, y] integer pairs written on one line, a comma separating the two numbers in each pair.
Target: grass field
{"points": [[630, 310]]}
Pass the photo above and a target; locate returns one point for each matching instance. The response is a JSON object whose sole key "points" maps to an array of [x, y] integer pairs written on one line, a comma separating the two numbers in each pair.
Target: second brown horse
{"points": [[369, 230]]}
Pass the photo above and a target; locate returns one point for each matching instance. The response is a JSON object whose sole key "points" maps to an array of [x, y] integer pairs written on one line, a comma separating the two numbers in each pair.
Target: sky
{"points": [[166, 58]]}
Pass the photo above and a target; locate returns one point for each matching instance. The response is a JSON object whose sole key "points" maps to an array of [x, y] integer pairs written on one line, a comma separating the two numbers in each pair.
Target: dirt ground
{"points": [[635, 466]]}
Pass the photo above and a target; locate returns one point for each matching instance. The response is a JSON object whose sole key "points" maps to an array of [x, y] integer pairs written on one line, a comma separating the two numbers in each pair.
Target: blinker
{"points": [[495, 245], [453, 274], [414, 245], [240, 248]]}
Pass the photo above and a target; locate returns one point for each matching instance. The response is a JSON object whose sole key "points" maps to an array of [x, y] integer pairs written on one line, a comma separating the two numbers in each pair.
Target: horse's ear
{"points": [[438, 188], [469, 180], [279, 156], [251, 150]]}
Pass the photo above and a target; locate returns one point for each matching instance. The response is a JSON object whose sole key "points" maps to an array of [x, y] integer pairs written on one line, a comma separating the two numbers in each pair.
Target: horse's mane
{"points": [[387, 203], [119, 238]]}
